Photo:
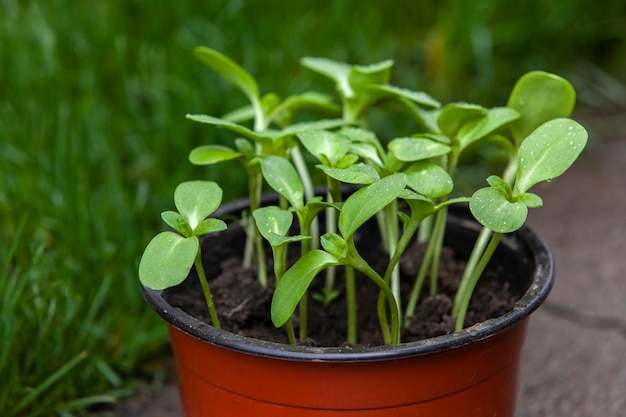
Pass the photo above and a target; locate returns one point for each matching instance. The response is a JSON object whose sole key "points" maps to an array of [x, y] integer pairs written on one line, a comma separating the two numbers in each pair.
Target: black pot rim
{"points": [[536, 294]]}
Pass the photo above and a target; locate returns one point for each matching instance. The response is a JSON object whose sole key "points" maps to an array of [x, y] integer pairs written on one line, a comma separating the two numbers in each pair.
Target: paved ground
{"points": [[574, 362]]}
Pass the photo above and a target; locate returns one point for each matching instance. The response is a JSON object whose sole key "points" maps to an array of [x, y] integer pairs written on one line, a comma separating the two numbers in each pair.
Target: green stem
{"points": [[421, 278], [477, 252], [437, 240], [351, 305], [334, 195], [391, 220], [390, 335], [280, 260], [208, 297], [476, 274]]}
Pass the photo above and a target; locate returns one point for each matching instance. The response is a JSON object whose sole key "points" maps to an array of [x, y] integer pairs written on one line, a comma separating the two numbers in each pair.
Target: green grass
{"points": [[93, 140]]}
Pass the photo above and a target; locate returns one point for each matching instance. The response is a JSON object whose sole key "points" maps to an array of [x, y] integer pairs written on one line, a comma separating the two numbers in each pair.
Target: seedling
{"points": [[405, 184]]}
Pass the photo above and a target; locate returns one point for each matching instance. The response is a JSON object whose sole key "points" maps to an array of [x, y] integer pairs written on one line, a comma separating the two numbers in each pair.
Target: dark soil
{"points": [[243, 305]]}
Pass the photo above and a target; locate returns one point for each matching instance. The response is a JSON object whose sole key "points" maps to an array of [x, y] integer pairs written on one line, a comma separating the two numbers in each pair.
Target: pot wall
{"points": [[479, 379], [470, 373]]}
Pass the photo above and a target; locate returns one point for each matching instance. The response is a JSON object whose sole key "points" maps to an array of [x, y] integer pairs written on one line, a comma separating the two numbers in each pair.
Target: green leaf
{"points": [[325, 124], [295, 282], [212, 154], [273, 223], [167, 260], [501, 185], [265, 139], [454, 116], [195, 200], [322, 143], [369, 200], [530, 200], [493, 210], [335, 245], [429, 179], [479, 128], [355, 174], [539, 97], [548, 152], [310, 100], [416, 149], [208, 226], [230, 70], [368, 152], [418, 97], [281, 175], [177, 222], [336, 71], [362, 77]]}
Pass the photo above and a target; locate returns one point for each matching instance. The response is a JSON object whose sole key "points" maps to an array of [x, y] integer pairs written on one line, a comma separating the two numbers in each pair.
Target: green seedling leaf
{"points": [[435, 137], [240, 115], [208, 226], [548, 152], [453, 117], [539, 97], [418, 97], [281, 175], [336, 71], [273, 223], [195, 200], [355, 174], [230, 70], [429, 179], [416, 149], [311, 100], [347, 161], [493, 210], [296, 128], [484, 125], [212, 154], [245, 147], [325, 145], [501, 185], [378, 73], [295, 282], [335, 245], [368, 152], [177, 222], [265, 139], [368, 201], [530, 200], [167, 260]]}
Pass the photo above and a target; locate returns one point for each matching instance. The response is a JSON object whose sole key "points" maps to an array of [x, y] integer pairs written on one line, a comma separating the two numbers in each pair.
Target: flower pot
{"points": [[473, 372]]}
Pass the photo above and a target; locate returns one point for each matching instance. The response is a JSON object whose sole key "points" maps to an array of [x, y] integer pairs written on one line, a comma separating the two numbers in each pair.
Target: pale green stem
{"points": [[390, 335], [476, 273], [208, 297], [351, 305]]}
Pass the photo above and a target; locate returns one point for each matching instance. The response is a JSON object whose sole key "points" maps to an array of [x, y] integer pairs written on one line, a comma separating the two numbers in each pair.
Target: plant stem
{"points": [[351, 305], [437, 240], [390, 335], [208, 297], [393, 232], [421, 275], [280, 260], [477, 252], [473, 280], [333, 195]]}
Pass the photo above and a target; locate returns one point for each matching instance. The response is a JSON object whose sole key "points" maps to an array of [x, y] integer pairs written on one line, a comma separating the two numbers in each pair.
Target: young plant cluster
{"points": [[405, 183]]}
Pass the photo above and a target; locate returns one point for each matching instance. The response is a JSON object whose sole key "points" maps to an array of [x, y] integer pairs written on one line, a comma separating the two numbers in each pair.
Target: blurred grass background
{"points": [[93, 140]]}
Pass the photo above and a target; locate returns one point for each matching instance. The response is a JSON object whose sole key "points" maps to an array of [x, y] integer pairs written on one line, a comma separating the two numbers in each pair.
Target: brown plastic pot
{"points": [[473, 372]]}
